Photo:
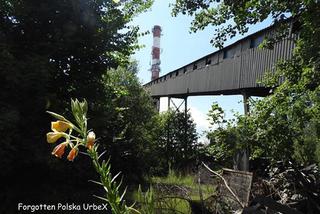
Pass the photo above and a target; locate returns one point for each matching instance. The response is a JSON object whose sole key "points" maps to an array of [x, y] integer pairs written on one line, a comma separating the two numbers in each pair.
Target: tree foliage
{"points": [[52, 51], [177, 141], [126, 122], [284, 125], [228, 137], [232, 17]]}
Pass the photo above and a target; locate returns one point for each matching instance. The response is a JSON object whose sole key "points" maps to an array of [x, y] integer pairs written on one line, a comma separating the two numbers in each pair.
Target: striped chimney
{"points": [[155, 67]]}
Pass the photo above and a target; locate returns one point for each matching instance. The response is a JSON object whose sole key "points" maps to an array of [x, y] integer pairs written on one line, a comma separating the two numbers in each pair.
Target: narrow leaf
{"points": [[114, 178], [102, 154], [96, 182], [104, 199], [132, 209], [57, 116], [124, 192]]}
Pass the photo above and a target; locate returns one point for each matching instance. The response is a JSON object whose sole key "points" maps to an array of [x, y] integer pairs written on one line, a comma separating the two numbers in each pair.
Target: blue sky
{"points": [[179, 48]]}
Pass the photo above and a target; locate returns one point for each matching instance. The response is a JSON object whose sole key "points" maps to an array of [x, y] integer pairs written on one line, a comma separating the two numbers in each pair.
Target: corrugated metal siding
{"points": [[242, 71]]}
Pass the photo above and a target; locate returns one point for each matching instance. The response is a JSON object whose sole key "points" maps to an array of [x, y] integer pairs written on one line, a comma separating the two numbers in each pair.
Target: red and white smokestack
{"points": [[155, 68]]}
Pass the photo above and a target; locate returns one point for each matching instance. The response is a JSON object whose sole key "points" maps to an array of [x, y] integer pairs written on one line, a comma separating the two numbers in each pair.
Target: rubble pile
{"points": [[296, 188]]}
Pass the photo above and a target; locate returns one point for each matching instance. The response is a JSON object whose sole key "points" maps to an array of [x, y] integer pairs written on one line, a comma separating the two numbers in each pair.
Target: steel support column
{"points": [[177, 109], [185, 106], [246, 105], [186, 119], [241, 159], [156, 103]]}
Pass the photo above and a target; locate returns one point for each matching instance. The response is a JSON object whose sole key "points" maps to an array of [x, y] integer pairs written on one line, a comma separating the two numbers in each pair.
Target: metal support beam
{"points": [[186, 119], [168, 135], [246, 104], [186, 106], [177, 108], [241, 159], [156, 103]]}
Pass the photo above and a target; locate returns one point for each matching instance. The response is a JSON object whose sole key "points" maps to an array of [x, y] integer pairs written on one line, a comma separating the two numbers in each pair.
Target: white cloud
{"points": [[163, 104], [202, 123], [200, 119]]}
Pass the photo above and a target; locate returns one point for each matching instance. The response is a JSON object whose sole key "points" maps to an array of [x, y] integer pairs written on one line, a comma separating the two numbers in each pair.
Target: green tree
{"points": [[232, 17], [128, 122], [177, 140], [285, 123], [228, 137], [52, 51]]}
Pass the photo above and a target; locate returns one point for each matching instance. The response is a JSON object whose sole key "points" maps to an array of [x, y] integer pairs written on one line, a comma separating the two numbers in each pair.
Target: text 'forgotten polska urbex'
{"points": [[33, 208]]}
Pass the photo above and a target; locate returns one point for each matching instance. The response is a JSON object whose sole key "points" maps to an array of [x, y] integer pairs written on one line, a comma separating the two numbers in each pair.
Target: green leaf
{"points": [[57, 116]]}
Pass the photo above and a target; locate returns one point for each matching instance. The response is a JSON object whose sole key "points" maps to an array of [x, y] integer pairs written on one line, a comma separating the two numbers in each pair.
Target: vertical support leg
{"points": [[246, 105], [156, 103], [186, 106], [186, 119], [241, 159], [168, 135], [245, 156]]}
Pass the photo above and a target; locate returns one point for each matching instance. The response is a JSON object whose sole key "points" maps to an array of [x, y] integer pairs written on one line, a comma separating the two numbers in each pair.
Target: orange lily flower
{"points": [[90, 140], [60, 126], [58, 151], [72, 154], [52, 137]]}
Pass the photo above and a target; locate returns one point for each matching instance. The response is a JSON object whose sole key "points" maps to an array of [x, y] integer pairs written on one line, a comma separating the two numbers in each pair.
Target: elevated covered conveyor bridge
{"points": [[235, 69]]}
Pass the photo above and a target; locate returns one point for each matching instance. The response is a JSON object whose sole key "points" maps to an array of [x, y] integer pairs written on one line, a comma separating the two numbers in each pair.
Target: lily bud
{"points": [[58, 151], [91, 138], [52, 137], [61, 126], [72, 154]]}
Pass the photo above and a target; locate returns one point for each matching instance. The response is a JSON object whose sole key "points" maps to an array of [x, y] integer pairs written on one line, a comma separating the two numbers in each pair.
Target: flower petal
{"points": [[90, 140], [72, 154], [60, 126], [52, 137], [58, 151]]}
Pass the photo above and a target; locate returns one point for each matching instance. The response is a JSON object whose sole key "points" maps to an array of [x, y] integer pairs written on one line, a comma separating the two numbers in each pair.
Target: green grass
{"points": [[190, 181], [169, 203], [174, 205], [174, 178]]}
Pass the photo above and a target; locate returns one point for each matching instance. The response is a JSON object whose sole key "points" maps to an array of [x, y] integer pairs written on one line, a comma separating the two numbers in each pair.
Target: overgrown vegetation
{"points": [[176, 141], [174, 178], [282, 126], [53, 51], [76, 136], [175, 193]]}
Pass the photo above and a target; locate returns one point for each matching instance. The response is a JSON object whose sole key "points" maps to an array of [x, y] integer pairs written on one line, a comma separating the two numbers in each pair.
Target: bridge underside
{"points": [[259, 92]]}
